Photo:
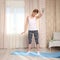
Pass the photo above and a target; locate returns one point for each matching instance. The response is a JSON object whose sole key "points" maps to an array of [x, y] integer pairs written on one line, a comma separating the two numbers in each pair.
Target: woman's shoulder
{"points": [[28, 17]]}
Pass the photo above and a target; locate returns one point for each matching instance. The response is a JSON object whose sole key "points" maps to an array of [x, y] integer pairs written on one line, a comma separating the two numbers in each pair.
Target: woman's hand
{"points": [[22, 33]]}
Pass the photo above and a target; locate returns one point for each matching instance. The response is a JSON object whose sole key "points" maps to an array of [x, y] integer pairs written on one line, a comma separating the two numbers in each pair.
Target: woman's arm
{"points": [[38, 15], [25, 25]]}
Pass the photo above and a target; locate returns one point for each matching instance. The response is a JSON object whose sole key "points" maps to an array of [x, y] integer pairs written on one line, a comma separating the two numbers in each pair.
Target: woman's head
{"points": [[34, 12]]}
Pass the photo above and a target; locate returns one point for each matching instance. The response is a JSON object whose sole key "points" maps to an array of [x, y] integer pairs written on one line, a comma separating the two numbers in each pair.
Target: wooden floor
{"points": [[5, 55]]}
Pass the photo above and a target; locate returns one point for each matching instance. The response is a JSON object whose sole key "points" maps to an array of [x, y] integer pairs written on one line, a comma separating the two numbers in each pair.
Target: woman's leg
{"points": [[30, 40], [36, 35], [38, 49]]}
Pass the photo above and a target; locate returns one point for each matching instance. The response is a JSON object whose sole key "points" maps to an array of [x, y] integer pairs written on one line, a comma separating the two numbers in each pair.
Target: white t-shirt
{"points": [[32, 24]]}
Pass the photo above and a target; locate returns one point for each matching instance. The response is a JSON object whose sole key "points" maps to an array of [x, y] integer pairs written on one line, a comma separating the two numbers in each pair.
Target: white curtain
{"points": [[15, 13], [39, 4], [14, 23], [2, 23]]}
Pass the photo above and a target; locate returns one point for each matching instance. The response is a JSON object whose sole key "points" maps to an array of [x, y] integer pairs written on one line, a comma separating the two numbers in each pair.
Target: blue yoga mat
{"points": [[42, 54]]}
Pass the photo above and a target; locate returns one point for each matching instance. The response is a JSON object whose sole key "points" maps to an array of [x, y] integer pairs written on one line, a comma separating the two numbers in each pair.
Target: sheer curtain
{"points": [[2, 22], [39, 4], [10, 32], [14, 23], [14, 12], [14, 17]]}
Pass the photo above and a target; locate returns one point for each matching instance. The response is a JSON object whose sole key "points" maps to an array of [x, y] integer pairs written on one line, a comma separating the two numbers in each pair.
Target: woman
{"points": [[31, 24]]}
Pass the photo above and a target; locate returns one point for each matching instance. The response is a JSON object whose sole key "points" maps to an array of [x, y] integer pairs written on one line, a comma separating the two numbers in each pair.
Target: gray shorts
{"points": [[36, 36]]}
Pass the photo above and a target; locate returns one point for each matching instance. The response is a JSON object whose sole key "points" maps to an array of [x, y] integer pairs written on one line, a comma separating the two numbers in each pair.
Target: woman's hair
{"points": [[36, 10]]}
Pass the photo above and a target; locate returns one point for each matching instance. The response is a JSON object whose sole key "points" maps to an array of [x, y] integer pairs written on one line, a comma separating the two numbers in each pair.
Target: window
{"points": [[14, 16]]}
